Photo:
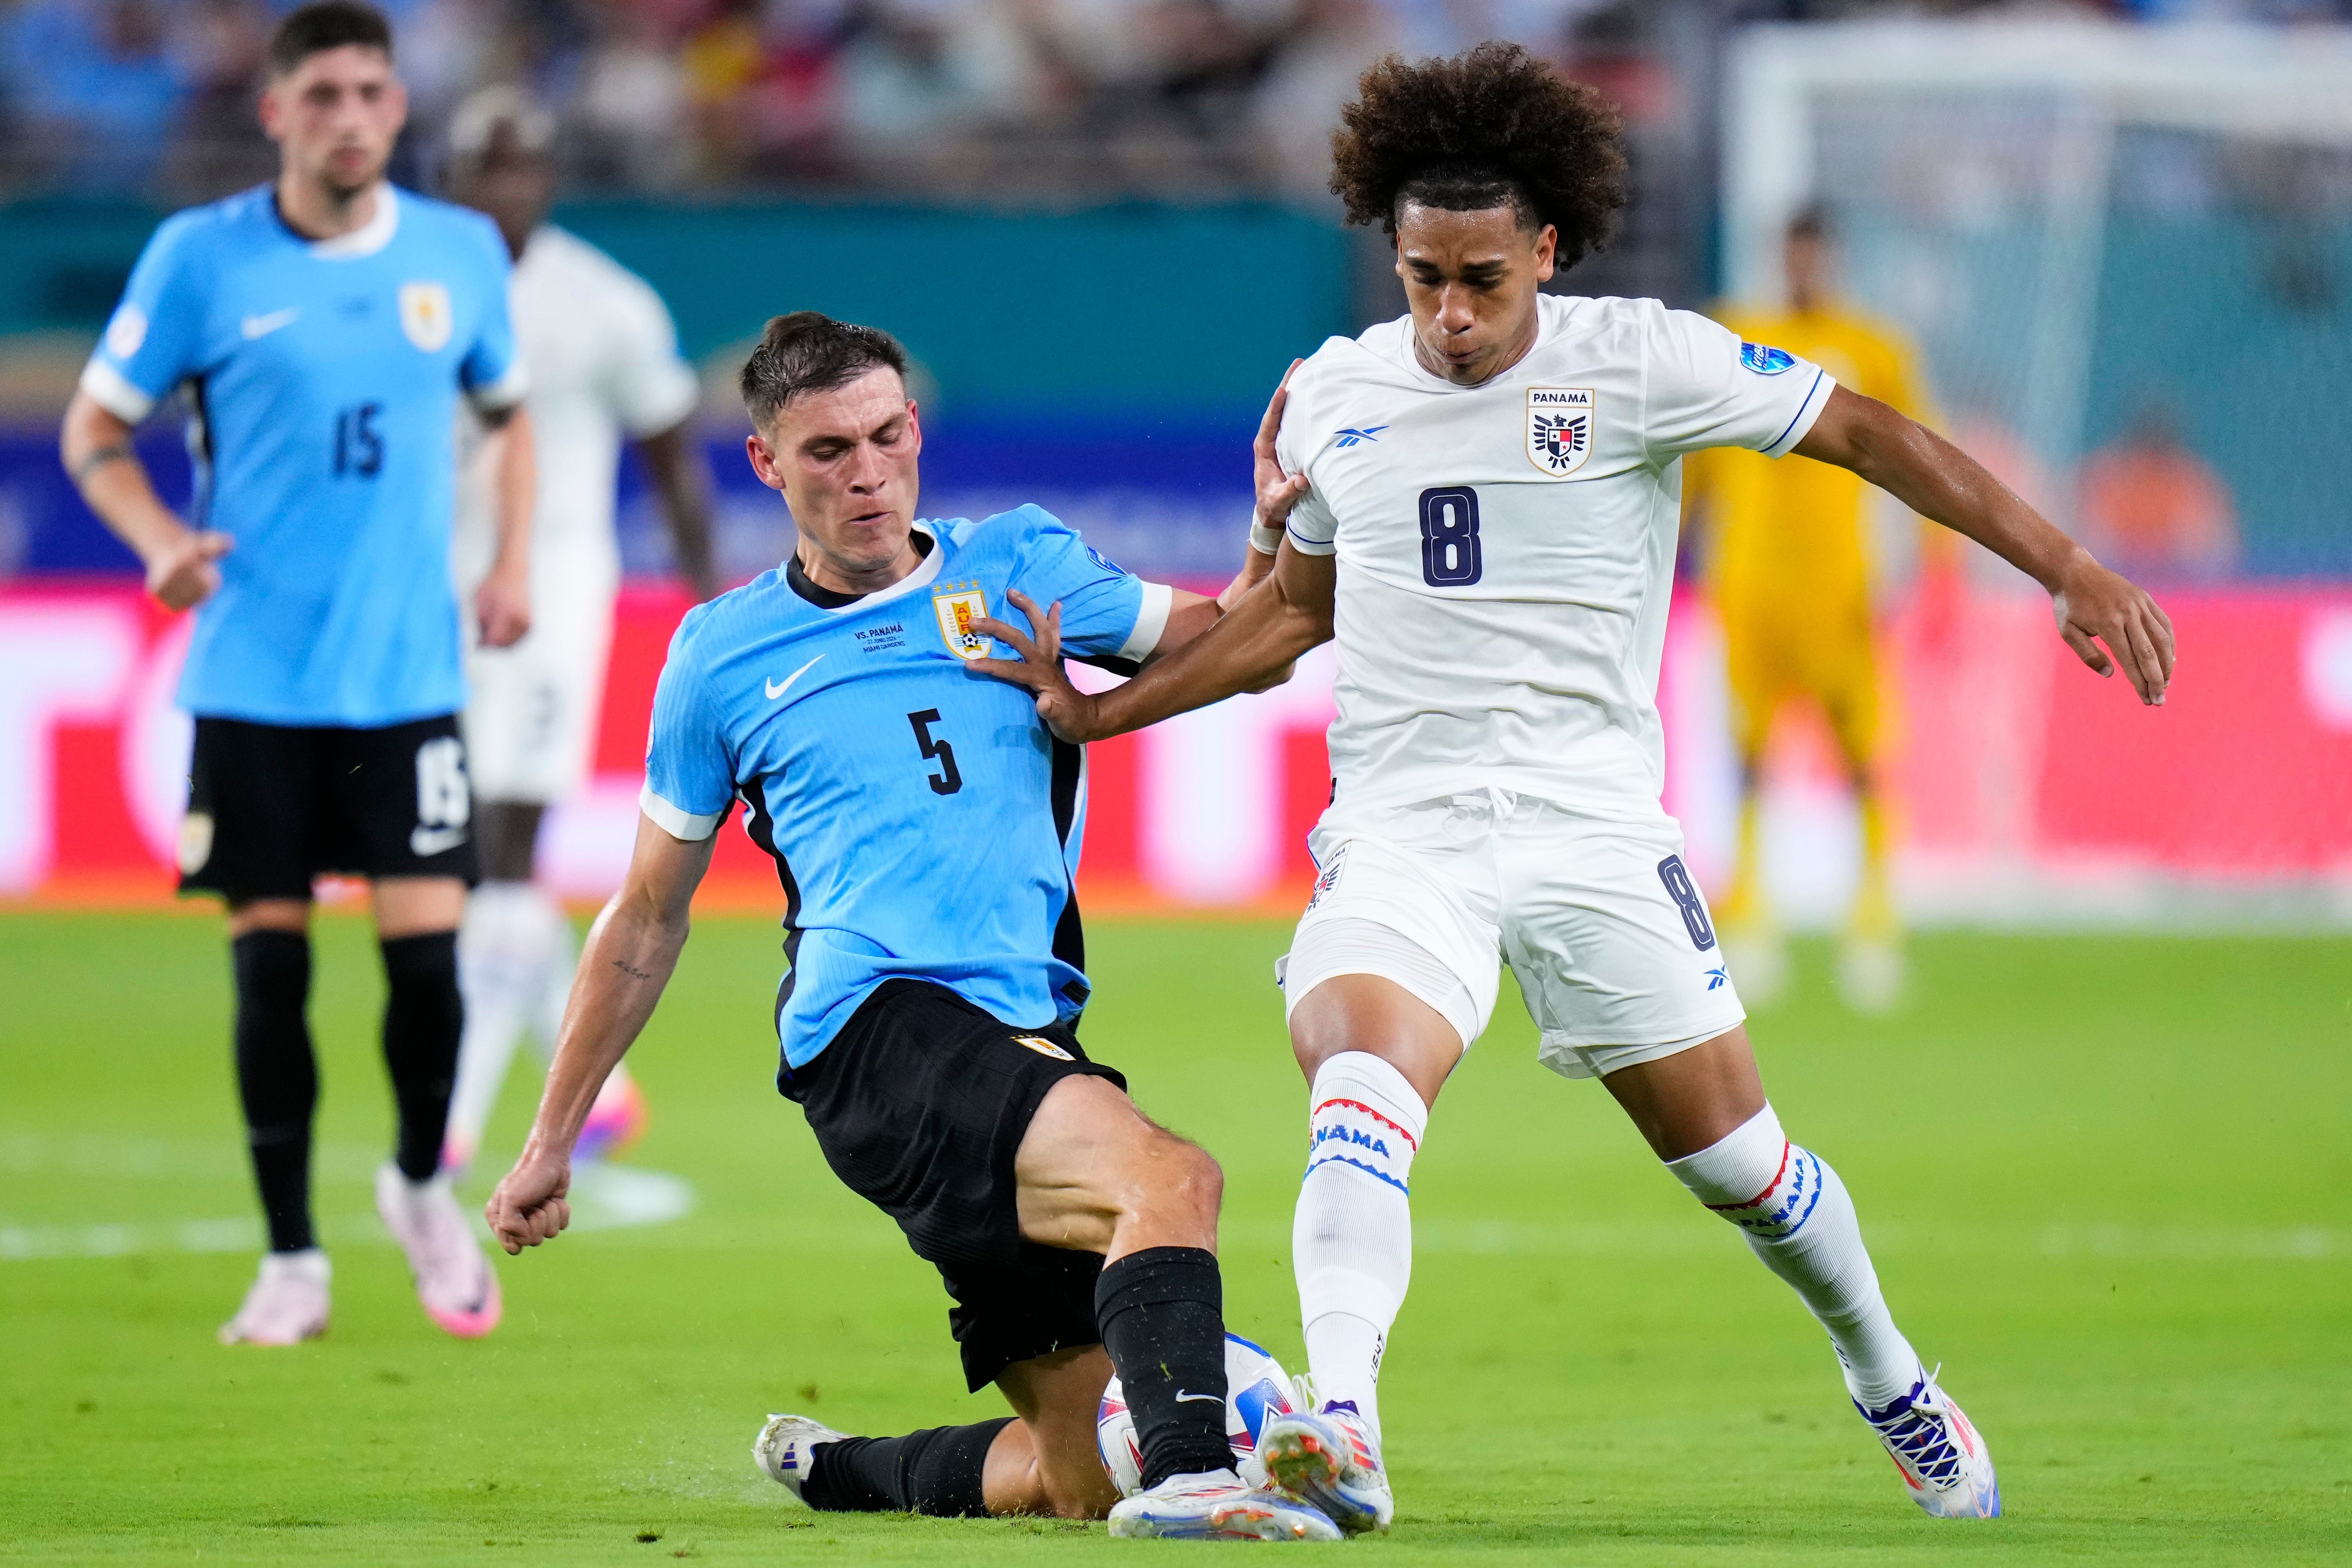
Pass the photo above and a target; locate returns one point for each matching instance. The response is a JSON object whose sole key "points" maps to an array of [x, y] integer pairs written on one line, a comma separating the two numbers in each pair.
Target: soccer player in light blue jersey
{"points": [[320, 330], [925, 828]]}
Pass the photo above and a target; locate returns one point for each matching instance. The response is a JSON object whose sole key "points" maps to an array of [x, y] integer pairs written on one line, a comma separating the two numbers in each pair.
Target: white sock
{"points": [[503, 947], [1352, 1241], [559, 963], [1800, 1220]]}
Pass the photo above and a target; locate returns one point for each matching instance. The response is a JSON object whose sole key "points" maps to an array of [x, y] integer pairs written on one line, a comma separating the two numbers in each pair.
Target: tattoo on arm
{"points": [[624, 965], [99, 457]]}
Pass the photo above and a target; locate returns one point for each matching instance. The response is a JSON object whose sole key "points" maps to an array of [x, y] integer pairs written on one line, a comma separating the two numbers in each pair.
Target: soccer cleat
{"points": [[288, 1303], [454, 1280], [787, 1446], [1942, 1457], [1872, 974], [1218, 1506], [615, 1120], [1331, 1459]]}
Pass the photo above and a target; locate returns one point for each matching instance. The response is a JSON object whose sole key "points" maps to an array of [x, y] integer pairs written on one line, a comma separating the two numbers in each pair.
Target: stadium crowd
{"points": [[1003, 99]]}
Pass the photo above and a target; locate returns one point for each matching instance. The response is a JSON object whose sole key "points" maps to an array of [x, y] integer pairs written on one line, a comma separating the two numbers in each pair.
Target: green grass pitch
{"points": [[2103, 1179]]}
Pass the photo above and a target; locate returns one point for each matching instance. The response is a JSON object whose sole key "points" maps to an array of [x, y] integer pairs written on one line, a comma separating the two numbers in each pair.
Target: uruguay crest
{"points": [[424, 315], [957, 608], [1559, 428]]}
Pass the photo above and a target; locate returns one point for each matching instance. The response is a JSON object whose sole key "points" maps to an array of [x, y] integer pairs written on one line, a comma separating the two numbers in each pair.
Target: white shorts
{"points": [[530, 723], [1611, 940]]}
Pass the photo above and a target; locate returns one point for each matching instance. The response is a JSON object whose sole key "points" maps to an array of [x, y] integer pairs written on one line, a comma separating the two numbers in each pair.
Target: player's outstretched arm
{"points": [[1938, 480], [631, 950], [1246, 650], [95, 446]]}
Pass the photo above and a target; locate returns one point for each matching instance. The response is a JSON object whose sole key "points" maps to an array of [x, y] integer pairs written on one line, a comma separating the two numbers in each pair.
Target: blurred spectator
{"points": [[2151, 507], [94, 90]]}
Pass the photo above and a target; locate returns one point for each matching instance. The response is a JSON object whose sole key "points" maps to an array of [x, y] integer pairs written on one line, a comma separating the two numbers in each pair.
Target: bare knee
{"points": [[1178, 1173]]}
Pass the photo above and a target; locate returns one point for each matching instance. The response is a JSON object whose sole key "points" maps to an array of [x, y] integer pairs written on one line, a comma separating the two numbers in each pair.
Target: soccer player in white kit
{"points": [[1480, 502], [605, 367]]}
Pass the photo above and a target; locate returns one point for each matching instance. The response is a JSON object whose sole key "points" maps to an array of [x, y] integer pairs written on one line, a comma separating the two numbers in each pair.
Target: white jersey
{"points": [[1507, 552], [604, 365]]}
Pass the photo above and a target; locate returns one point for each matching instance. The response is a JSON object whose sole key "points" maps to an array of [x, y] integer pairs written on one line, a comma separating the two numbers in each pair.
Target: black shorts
{"points": [[271, 806], [919, 1104]]}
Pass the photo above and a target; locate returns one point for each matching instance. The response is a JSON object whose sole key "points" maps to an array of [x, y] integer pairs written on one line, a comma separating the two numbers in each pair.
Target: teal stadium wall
{"points": [[1091, 315]]}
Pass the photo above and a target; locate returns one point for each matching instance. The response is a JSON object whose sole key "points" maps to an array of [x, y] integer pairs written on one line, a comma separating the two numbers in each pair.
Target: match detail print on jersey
{"points": [[956, 609], [1559, 428]]}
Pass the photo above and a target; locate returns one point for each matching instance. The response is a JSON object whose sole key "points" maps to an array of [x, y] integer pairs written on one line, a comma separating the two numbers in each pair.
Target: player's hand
{"points": [[1277, 491], [1067, 712], [502, 605], [183, 574], [2094, 605], [529, 1205]]}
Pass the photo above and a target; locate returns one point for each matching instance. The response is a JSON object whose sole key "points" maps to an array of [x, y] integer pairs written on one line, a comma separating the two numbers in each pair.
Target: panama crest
{"points": [[1559, 428], [424, 315], [957, 608]]}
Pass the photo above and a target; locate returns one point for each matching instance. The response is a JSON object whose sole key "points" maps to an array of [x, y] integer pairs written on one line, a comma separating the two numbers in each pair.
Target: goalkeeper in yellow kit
{"points": [[1787, 553]]}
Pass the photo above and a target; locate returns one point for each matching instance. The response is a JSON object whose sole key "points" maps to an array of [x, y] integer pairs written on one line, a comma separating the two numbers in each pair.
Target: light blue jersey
{"points": [[323, 378], [924, 822]]}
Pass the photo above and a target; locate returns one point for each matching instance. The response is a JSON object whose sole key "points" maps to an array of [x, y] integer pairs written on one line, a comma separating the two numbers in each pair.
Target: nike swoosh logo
{"points": [[1182, 1397], [777, 688], [425, 842], [262, 326]]}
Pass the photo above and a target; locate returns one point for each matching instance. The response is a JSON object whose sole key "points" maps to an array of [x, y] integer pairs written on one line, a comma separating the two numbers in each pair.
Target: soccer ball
{"points": [[1255, 1388]]}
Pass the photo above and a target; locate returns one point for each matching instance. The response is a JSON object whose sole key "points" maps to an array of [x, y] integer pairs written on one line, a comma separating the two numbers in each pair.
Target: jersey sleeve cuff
{"points": [[687, 826], [497, 396], [670, 406], [1307, 546], [1817, 397], [114, 392], [1150, 622]]}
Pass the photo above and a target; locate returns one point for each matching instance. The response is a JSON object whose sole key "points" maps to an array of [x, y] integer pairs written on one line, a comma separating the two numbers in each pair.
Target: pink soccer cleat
{"points": [[1944, 1462], [455, 1281], [615, 1122], [288, 1303]]}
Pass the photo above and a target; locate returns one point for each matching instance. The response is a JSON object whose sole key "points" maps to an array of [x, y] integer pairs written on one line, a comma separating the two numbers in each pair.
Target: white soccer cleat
{"points": [[1872, 974], [1331, 1458], [1218, 1506], [786, 1448], [1943, 1458], [288, 1303], [455, 1281]]}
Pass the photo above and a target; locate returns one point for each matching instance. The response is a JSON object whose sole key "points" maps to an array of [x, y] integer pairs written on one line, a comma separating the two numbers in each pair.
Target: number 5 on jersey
{"points": [[947, 781]]}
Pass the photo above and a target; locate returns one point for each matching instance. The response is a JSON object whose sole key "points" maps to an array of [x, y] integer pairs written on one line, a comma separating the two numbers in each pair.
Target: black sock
{"points": [[422, 1018], [277, 1076], [1161, 1314], [936, 1470]]}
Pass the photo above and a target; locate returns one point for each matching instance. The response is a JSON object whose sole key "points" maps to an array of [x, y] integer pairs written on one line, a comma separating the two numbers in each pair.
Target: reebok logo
{"points": [[777, 688], [262, 326]]}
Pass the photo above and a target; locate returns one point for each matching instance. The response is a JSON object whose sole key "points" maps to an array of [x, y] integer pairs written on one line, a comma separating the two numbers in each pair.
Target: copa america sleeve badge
{"points": [[1559, 428]]}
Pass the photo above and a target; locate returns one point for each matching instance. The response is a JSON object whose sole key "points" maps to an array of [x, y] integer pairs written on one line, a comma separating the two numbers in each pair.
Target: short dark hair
{"points": [[1493, 126], [805, 351], [1812, 222], [326, 25]]}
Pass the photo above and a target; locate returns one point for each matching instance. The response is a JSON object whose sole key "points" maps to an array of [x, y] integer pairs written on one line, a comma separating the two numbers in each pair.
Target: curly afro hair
{"points": [[1491, 127]]}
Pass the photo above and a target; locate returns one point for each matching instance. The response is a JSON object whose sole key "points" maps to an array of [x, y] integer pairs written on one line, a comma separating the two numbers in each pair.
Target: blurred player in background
{"points": [[605, 367], [322, 330], [926, 828], [1789, 559], [1481, 502]]}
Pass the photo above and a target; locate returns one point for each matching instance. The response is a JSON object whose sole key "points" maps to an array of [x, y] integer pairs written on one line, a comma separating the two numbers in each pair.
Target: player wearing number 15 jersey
{"points": [[1481, 502], [321, 329]]}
